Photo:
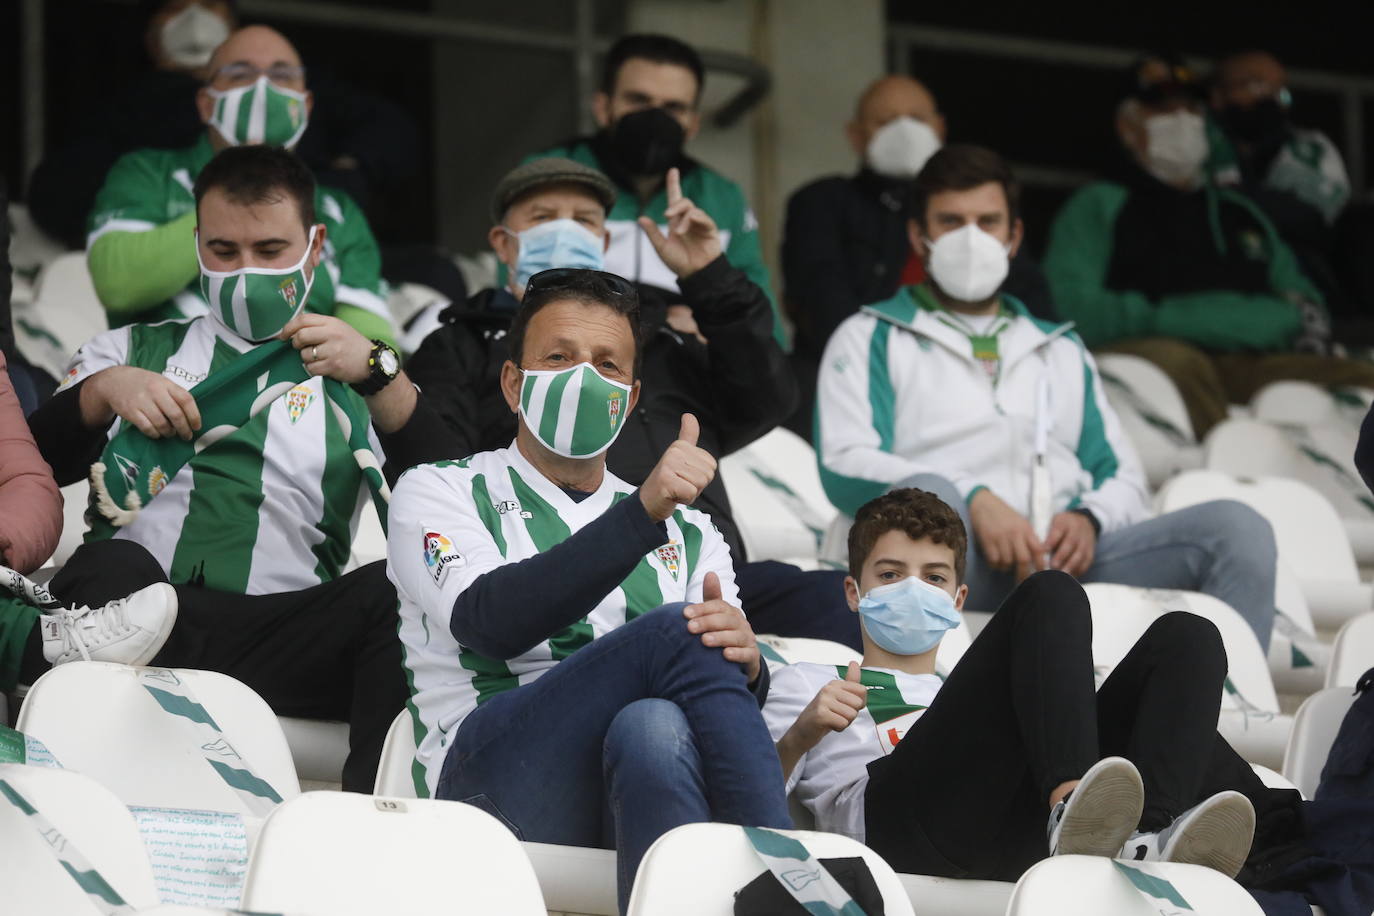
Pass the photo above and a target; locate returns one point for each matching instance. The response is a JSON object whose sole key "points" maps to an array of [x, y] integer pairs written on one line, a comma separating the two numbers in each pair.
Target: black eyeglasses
{"points": [[579, 278]]}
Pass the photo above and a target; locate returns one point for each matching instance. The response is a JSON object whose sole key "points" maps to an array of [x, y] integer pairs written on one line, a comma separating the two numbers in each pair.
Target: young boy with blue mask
{"points": [[956, 777]]}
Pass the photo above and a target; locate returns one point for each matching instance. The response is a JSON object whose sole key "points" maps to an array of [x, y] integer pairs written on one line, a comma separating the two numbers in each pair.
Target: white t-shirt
{"points": [[831, 778]]}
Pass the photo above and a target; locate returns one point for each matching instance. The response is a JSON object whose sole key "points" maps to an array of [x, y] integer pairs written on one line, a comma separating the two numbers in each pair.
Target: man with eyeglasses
{"points": [[578, 661], [140, 249]]}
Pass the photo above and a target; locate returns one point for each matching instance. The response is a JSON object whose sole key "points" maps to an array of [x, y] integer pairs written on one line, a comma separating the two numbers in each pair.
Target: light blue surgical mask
{"points": [[908, 617], [556, 243]]}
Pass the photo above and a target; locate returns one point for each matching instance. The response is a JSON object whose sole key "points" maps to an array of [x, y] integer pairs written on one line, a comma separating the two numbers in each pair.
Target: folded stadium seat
{"points": [[343, 853], [164, 738], [1353, 653], [318, 749], [66, 838], [1320, 454], [696, 869], [394, 773], [834, 549], [1310, 537], [575, 880], [369, 543], [1273, 778], [775, 492], [1298, 659], [1152, 414], [1314, 731], [1250, 717], [64, 314], [1093, 885]]}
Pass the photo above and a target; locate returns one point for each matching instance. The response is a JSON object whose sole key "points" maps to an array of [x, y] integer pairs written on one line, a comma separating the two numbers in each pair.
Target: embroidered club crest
{"points": [[298, 400], [613, 404], [669, 557], [157, 480], [288, 291], [439, 553], [293, 111]]}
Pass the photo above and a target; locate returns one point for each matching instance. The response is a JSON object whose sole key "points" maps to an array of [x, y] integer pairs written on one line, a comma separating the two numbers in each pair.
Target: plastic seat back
{"points": [[343, 853], [1353, 653], [99, 834], [1314, 731], [1093, 885], [696, 869], [1152, 414], [98, 718], [395, 772], [779, 504]]}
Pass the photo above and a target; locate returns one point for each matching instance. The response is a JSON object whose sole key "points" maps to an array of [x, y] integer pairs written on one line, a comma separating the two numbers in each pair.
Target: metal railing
{"points": [[1353, 91]]}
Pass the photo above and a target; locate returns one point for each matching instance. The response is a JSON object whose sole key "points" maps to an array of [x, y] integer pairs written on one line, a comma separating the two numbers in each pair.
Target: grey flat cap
{"points": [[522, 179]]}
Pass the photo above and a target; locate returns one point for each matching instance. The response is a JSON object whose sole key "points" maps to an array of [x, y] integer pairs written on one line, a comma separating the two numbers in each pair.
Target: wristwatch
{"points": [[383, 365]]}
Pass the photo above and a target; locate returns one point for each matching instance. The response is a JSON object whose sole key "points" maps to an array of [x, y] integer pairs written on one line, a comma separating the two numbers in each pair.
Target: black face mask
{"points": [[647, 142], [1262, 123]]}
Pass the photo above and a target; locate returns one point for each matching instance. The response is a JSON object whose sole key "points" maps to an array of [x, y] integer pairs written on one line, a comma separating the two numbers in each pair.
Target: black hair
{"points": [[257, 174], [661, 49], [962, 167], [589, 287]]}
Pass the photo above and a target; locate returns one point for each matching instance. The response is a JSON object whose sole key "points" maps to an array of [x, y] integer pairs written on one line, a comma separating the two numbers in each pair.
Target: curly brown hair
{"points": [[915, 513]]}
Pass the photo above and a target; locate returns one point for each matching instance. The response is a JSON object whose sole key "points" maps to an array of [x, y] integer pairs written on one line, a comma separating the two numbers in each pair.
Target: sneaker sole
{"points": [[1217, 835], [1104, 810]]}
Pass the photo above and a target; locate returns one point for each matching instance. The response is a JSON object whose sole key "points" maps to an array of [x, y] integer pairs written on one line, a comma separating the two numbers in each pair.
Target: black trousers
{"points": [[966, 792], [327, 652]]}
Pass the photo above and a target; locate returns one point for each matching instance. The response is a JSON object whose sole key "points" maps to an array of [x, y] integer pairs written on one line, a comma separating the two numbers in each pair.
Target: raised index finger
{"points": [[674, 186]]}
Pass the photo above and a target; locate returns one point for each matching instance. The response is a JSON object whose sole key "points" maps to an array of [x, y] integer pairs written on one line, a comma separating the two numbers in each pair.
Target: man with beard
{"points": [[647, 108]]}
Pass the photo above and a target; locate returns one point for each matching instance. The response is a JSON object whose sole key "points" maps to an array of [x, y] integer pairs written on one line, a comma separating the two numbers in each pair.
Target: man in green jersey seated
{"points": [[141, 249], [233, 456]]}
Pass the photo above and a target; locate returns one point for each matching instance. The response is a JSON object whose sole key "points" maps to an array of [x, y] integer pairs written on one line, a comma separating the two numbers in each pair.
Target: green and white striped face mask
{"points": [[256, 302], [261, 112], [575, 412]]}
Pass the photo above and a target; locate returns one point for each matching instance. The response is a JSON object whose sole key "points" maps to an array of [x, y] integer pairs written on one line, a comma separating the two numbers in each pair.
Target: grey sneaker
{"points": [[129, 630], [1101, 811], [1216, 832]]}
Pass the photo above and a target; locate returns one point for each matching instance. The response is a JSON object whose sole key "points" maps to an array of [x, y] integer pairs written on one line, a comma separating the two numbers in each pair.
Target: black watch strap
{"points": [[377, 376]]}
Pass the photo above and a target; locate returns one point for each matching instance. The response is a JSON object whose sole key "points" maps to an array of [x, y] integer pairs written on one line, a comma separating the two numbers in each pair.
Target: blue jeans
{"points": [[1221, 548], [643, 730]]}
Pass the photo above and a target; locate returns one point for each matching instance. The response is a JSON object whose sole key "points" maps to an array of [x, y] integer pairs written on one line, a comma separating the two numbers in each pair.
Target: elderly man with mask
{"points": [[140, 248], [647, 110], [713, 357], [845, 241], [1195, 278], [231, 455]]}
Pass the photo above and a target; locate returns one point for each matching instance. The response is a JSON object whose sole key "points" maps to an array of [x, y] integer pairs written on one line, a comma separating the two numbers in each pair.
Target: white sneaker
{"points": [[128, 630], [1216, 832], [1099, 814]]}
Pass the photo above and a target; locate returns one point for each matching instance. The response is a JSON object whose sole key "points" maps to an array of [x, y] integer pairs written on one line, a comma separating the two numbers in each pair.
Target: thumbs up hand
{"points": [[722, 625], [833, 709], [680, 475]]}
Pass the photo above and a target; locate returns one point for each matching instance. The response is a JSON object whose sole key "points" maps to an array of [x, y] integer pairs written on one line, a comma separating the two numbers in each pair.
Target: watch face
{"points": [[389, 362]]}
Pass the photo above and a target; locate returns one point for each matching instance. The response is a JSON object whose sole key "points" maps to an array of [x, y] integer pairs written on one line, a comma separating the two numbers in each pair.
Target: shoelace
{"points": [[111, 620]]}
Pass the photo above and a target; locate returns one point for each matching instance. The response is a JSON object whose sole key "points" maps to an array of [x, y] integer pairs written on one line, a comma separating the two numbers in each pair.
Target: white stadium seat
{"points": [[343, 853], [369, 543], [394, 776], [1093, 885], [74, 498], [575, 879], [777, 500], [1250, 717], [99, 831], [318, 747], [1353, 653], [1314, 730], [695, 870], [1310, 537], [97, 718], [1152, 414], [64, 314]]}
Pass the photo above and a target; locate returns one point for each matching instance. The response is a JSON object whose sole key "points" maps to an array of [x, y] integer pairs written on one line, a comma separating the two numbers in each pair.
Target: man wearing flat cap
{"points": [[713, 357]]}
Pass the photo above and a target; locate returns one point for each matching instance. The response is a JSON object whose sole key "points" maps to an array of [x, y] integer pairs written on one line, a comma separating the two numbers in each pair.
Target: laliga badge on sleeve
{"points": [[440, 554]]}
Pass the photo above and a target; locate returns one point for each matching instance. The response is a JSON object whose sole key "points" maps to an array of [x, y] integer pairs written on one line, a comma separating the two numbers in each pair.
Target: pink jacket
{"points": [[30, 503]]}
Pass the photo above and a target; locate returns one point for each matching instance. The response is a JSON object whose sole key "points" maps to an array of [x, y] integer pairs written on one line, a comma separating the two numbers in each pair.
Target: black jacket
{"points": [[736, 384], [845, 245]]}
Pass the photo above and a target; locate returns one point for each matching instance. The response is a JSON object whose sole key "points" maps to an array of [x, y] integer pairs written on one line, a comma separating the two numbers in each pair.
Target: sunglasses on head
{"points": [[581, 278]]}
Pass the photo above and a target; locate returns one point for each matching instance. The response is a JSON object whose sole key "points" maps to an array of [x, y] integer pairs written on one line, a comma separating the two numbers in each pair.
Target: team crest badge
{"points": [[614, 402], [439, 554], [670, 558], [293, 111], [157, 480], [298, 400], [288, 291]]}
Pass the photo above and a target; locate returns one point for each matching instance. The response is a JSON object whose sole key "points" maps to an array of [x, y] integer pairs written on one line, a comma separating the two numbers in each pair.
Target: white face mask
{"points": [[968, 264], [1176, 147], [191, 36], [901, 147]]}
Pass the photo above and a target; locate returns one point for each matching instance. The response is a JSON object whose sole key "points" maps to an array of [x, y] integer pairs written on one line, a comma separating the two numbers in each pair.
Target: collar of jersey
{"points": [[553, 494]]}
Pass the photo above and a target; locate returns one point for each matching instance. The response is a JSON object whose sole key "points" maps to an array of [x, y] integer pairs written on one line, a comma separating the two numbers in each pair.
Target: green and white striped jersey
{"points": [[453, 521], [271, 507], [832, 777]]}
